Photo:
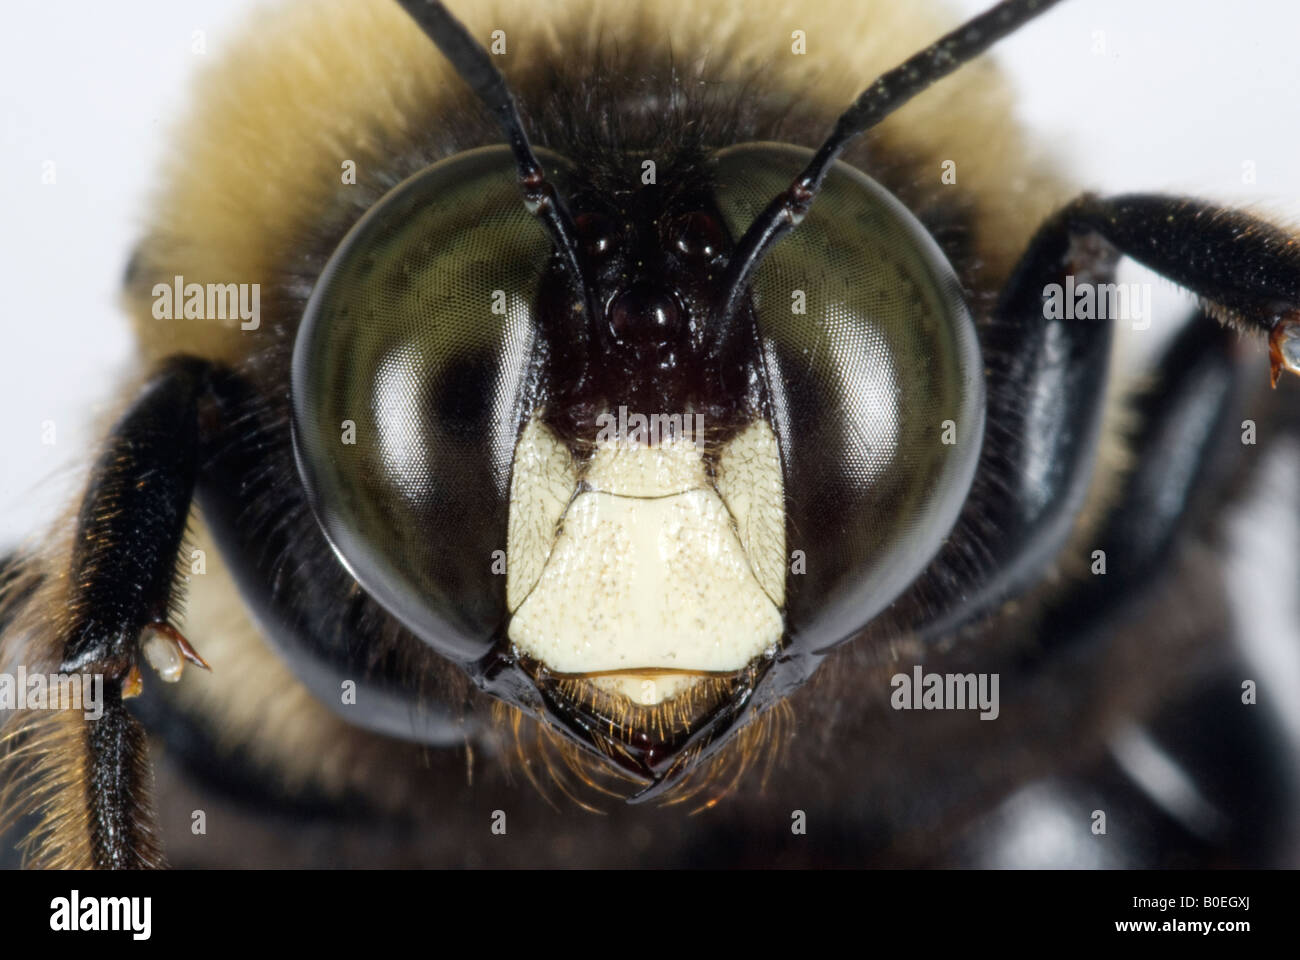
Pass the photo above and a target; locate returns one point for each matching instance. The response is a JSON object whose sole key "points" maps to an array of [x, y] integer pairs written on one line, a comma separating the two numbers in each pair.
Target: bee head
{"points": [[631, 463]]}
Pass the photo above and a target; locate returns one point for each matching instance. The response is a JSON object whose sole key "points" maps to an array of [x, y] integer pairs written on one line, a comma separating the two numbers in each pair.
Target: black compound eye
{"points": [[408, 374], [877, 387]]}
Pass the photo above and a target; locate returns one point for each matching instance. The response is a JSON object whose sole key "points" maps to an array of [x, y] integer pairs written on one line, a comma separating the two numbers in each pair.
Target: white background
{"points": [[1185, 92]]}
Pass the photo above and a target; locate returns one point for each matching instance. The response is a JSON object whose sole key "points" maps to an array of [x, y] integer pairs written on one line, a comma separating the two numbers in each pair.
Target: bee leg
{"points": [[1198, 774], [1045, 382], [1047, 370], [1246, 271], [1184, 450], [122, 579]]}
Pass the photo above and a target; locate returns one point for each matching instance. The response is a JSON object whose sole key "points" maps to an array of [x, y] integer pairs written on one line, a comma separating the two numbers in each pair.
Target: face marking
{"points": [[625, 470], [541, 487], [749, 482], [651, 567]]}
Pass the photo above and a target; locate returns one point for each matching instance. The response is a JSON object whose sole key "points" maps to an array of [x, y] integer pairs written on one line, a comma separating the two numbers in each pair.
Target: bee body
{"points": [[326, 697]]}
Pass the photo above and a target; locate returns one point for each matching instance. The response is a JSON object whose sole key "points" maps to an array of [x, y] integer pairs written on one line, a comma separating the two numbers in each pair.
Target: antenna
{"points": [[890, 91], [475, 67]]}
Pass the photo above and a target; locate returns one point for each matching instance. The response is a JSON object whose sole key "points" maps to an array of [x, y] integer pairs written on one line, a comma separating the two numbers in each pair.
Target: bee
{"points": [[577, 435]]}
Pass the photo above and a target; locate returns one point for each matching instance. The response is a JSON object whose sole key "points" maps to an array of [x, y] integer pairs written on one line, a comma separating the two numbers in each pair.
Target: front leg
{"points": [[121, 598], [1047, 373], [1245, 271], [129, 529]]}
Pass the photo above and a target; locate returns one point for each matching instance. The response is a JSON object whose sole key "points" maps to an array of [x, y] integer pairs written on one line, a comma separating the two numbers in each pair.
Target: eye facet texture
{"points": [[409, 376], [876, 382]]}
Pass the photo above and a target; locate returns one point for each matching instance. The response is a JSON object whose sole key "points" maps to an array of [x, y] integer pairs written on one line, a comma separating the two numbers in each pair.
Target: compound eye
{"points": [[408, 374], [876, 380]]}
